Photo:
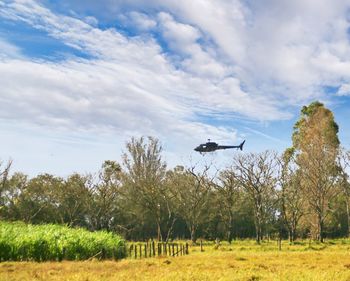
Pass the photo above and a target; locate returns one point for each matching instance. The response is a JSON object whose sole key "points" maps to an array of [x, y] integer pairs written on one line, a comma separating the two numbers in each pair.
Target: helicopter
{"points": [[212, 146]]}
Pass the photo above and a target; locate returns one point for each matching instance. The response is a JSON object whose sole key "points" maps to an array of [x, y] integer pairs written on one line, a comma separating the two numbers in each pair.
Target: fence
{"points": [[153, 249]]}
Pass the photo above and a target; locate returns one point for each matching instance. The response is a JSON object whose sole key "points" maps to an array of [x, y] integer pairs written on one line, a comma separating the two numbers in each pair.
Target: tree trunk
{"points": [[292, 235], [193, 234], [258, 232], [159, 231], [320, 229], [230, 228], [170, 230], [229, 236], [292, 231], [348, 215], [258, 224]]}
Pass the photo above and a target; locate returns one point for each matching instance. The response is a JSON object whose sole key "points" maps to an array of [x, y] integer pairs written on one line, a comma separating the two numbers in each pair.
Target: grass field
{"points": [[242, 260]]}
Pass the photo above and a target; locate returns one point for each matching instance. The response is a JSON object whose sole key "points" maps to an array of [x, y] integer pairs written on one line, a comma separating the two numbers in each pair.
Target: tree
{"points": [[37, 202], [12, 190], [316, 143], [105, 195], [4, 173], [255, 173], [344, 163], [228, 195], [190, 191], [292, 203], [144, 180], [73, 200]]}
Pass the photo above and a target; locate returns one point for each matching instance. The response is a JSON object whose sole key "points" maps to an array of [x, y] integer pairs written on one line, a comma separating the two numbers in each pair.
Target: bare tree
{"points": [[255, 173]]}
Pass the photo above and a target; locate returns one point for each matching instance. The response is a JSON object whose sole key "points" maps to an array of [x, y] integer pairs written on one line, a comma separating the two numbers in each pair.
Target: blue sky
{"points": [[79, 78]]}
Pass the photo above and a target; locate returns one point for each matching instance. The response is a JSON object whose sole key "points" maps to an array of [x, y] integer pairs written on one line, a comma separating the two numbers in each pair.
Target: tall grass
{"points": [[22, 242]]}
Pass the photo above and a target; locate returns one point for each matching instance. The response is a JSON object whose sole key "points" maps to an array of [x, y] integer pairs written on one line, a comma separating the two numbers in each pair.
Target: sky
{"points": [[78, 79]]}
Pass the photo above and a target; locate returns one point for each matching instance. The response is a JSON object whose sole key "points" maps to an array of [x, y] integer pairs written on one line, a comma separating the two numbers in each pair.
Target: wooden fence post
{"points": [[146, 250], [279, 244], [130, 250], [140, 248], [135, 251], [201, 243], [186, 252], [173, 248], [154, 248]]}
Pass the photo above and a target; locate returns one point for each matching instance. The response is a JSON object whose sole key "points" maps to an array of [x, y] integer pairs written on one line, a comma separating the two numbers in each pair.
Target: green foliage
{"points": [[309, 110], [313, 116], [19, 241]]}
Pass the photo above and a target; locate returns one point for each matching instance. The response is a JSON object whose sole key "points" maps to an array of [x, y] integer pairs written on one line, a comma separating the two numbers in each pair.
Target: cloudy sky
{"points": [[79, 78]]}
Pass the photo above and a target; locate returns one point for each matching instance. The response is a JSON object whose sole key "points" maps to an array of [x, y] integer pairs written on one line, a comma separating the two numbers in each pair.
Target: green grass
{"points": [[22, 242]]}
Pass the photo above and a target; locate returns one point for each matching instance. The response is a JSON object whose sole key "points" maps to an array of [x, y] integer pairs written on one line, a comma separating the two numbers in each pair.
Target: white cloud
{"points": [[130, 80], [8, 50], [140, 21], [91, 20], [178, 34], [344, 90], [182, 39], [223, 21], [277, 47]]}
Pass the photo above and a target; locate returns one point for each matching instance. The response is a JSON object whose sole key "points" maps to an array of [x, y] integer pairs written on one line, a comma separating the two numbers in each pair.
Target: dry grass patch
{"points": [[330, 264]]}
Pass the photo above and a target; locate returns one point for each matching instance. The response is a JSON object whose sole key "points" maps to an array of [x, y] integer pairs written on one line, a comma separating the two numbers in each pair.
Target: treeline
{"points": [[305, 192]]}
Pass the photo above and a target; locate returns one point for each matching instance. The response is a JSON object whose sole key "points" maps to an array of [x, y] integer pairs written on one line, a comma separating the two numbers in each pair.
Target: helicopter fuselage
{"points": [[212, 146]]}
